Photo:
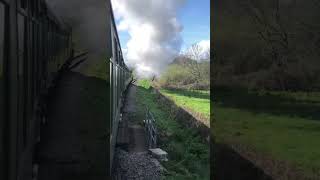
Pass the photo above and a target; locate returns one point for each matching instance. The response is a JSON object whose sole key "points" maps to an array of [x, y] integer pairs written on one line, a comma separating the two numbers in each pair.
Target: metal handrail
{"points": [[150, 129]]}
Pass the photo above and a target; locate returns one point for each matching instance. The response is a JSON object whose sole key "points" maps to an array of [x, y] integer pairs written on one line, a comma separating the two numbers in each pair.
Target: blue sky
{"points": [[195, 18]]}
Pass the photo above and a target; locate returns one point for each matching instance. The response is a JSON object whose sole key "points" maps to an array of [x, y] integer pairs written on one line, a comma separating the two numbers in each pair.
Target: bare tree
{"points": [[313, 27], [192, 57], [195, 52], [272, 31]]}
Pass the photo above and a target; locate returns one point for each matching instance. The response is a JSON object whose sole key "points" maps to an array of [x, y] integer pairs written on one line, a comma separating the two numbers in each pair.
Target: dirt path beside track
{"points": [[134, 162], [136, 130]]}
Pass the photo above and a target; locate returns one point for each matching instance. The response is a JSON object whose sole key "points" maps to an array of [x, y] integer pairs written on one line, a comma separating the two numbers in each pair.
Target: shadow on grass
{"points": [[228, 164], [266, 103]]}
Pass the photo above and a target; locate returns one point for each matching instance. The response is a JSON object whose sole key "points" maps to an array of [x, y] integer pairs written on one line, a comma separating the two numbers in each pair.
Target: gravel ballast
{"points": [[136, 166]]}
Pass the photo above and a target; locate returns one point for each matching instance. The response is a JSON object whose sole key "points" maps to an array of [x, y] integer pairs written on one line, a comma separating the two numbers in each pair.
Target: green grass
{"points": [[283, 125], [144, 83], [196, 101], [188, 156]]}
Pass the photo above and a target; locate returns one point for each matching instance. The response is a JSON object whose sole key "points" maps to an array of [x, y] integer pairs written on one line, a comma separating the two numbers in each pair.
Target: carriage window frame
{"points": [[32, 7]]}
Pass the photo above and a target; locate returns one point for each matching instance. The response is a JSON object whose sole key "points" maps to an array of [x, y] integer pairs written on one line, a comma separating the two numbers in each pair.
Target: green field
{"points": [[284, 125], [188, 156], [195, 101]]}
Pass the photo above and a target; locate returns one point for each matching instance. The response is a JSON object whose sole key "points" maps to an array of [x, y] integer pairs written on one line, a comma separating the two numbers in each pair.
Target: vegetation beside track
{"points": [[196, 101], [280, 125], [188, 155]]}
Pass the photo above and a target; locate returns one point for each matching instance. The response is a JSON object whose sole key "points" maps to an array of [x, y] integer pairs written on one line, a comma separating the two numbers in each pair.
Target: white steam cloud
{"points": [[88, 20], [154, 33]]}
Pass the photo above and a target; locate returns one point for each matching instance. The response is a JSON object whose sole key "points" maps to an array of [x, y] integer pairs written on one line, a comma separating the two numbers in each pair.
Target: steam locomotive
{"points": [[120, 78], [34, 47]]}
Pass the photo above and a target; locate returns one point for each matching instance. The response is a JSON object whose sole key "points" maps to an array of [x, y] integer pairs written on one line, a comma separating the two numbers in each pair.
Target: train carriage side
{"points": [[30, 39], [120, 77]]}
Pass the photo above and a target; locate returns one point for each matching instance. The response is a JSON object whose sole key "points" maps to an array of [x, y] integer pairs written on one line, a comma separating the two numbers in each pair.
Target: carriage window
{"points": [[115, 58], [37, 5], [119, 57], [23, 4], [33, 7]]}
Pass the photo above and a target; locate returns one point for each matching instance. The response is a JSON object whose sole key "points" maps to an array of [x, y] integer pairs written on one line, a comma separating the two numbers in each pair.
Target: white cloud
{"points": [[154, 32], [205, 44]]}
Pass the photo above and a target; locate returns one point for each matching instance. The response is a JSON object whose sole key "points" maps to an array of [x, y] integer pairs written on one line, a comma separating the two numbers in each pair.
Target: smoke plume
{"points": [[88, 19], [154, 33]]}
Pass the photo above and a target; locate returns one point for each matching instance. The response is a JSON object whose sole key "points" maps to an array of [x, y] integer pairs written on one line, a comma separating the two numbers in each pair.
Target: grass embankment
{"points": [[284, 125], [188, 156], [195, 101]]}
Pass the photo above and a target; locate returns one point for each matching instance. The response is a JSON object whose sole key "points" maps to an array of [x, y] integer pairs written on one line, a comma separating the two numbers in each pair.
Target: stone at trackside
{"points": [[159, 154]]}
